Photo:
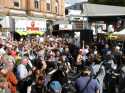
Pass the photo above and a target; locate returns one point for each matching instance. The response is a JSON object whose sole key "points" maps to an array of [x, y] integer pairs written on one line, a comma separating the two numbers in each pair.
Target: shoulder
{"points": [[80, 79], [21, 66]]}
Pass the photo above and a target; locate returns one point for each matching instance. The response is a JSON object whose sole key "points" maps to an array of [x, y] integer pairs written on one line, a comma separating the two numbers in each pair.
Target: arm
{"points": [[29, 89], [30, 64], [78, 60], [97, 91]]}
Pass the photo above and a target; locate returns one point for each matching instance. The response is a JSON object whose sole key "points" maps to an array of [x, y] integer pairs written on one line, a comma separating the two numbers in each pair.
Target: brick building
{"points": [[45, 11]]}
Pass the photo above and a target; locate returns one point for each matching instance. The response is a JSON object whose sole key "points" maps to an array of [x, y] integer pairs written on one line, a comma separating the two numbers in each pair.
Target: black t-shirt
{"points": [[36, 89]]}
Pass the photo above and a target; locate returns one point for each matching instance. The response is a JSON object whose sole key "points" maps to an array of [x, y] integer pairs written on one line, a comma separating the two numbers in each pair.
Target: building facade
{"points": [[39, 11], [99, 18]]}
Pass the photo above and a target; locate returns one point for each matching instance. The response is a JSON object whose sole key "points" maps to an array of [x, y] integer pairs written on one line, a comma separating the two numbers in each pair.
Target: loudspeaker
{"points": [[86, 35]]}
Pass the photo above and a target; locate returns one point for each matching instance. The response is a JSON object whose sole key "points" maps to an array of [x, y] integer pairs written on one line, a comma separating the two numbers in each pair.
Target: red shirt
{"points": [[13, 53]]}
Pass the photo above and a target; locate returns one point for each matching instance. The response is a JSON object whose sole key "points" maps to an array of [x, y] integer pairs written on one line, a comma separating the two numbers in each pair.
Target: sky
{"points": [[70, 2], [74, 1]]}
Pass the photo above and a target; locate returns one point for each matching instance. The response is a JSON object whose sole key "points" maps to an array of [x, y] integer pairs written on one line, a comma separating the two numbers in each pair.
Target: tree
{"points": [[109, 2]]}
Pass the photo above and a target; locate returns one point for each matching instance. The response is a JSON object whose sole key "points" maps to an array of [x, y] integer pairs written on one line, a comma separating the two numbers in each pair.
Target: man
{"points": [[22, 74], [85, 84]]}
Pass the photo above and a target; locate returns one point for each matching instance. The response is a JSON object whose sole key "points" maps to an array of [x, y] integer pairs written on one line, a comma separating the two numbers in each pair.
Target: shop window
{"points": [[16, 3], [57, 6], [36, 4], [48, 7]]}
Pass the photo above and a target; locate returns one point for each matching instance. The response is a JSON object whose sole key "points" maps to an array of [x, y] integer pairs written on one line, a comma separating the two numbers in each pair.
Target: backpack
{"points": [[55, 87]]}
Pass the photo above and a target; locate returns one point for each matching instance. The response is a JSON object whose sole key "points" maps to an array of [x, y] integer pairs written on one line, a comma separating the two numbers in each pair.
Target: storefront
{"points": [[30, 25], [63, 30], [5, 28]]}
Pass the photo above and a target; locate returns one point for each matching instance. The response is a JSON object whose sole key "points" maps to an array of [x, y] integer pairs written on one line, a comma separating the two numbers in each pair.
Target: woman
{"points": [[99, 71], [33, 80], [79, 60], [39, 86]]}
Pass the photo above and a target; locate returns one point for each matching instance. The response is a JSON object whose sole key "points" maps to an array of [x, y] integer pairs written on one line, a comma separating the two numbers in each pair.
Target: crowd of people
{"points": [[56, 65]]}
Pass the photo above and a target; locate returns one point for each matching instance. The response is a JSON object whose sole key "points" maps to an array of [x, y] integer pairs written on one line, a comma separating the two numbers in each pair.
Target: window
{"points": [[48, 5], [36, 4], [57, 6], [16, 3]]}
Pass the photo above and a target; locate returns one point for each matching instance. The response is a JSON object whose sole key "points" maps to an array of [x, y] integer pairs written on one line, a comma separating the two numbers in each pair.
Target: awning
{"points": [[62, 21], [103, 10]]}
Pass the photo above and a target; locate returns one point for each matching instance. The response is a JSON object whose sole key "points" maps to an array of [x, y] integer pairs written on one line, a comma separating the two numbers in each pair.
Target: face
{"points": [[4, 71], [37, 72], [40, 82], [91, 58], [63, 58], [66, 49], [25, 61], [58, 53]]}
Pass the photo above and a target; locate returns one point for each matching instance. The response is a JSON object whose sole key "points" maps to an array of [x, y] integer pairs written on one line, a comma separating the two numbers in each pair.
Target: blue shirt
{"points": [[81, 82]]}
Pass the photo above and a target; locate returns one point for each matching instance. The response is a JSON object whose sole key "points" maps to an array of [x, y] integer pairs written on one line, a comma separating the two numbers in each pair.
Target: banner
{"points": [[28, 26], [65, 27]]}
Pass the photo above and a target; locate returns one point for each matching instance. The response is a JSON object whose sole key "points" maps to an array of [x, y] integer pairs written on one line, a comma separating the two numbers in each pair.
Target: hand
{"points": [[30, 73]]}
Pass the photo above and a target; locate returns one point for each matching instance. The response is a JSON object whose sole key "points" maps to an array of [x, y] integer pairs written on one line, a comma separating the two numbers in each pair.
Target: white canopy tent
{"points": [[118, 35], [122, 32]]}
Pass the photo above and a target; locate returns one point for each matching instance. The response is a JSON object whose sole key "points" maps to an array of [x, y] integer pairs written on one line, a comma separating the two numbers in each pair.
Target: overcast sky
{"points": [[74, 1], [70, 2]]}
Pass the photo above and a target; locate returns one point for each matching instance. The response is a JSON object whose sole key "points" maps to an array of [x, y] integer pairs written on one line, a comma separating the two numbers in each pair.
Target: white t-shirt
{"points": [[22, 71], [2, 51]]}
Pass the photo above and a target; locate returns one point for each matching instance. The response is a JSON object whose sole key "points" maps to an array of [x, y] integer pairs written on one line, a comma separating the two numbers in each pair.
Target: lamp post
{"points": [[85, 23]]}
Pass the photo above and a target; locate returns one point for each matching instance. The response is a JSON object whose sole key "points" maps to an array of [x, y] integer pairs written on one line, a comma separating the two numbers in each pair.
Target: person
{"points": [[4, 84], [85, 83], [39, 86], [79, 60], [22, 74], [11, 78], [122, 76], [105, 50], [99, 71]]}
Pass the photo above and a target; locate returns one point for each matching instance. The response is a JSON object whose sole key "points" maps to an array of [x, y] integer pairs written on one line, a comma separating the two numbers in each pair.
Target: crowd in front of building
{"points": [[55, 65]]}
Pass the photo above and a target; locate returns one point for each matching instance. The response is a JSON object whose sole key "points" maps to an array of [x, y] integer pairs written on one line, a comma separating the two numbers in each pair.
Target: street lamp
{"points": [[85, 22]]}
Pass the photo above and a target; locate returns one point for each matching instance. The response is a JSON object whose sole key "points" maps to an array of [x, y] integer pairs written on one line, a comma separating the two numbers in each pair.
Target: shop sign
{"points": [[30, 25], [65, 27], [76, 18], [75, 12]]}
